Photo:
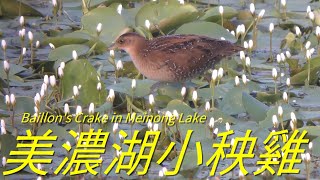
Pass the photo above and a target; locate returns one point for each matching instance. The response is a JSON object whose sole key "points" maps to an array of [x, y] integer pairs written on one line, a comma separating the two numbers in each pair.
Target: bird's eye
{"points": [[121, 41]]}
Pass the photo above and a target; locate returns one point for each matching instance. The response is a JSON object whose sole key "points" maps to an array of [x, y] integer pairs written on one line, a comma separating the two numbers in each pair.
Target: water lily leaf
{"points": [[214, 15], [267, 97], [201, 28], [10, 8], [287, 109], [104, 107], [313, 131], [256, 109], [14, 69], [180, 106], [311, 98], [142, 87], [217, 114], [300, 78], [59, 131], [24, 104], [232, 102], [316, 147], [76, 37], [112, 23], [167, 14], [64, 53], [8, 143], [87, 79]]}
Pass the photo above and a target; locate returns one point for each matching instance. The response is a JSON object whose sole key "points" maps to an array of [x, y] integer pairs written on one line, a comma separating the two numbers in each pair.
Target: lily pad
{"points": [[256, 109], [112, 23], [142, 87], [167, 14], [64, 53], [213, 14], [87, 79], [209, 29]]}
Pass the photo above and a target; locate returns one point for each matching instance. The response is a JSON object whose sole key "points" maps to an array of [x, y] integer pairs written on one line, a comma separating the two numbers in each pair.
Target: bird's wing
{"points": [[189, 55]]}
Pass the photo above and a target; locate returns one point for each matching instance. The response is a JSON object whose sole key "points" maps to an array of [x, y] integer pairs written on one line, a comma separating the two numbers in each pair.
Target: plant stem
{"points": [[271, 56], [309, 67]]}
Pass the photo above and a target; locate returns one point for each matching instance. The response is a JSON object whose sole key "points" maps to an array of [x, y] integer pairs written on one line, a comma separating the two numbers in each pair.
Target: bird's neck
{"points": [[136, 51]]}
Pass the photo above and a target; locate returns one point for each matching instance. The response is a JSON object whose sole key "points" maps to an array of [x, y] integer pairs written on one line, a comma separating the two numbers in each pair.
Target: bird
{"points": [[174, 58]]}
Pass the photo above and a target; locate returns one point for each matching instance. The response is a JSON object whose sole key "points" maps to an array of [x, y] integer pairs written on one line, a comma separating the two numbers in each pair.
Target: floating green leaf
{"points": [[81, 72], [167, 14], [256, 109], [209, 29], [112, 23]]}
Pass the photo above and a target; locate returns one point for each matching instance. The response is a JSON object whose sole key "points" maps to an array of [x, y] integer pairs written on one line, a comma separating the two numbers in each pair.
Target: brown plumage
{"points": [[174, 58]]}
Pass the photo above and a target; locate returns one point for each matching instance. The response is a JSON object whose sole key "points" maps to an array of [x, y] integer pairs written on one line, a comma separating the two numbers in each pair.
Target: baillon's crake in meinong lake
{"points": [[174, 58]]}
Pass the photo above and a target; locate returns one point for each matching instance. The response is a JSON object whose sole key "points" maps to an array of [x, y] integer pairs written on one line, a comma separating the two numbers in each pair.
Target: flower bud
{"points": [[3, 45], [311, 16], [147, 24], [7, 100], [194, 96], [288, 82], [30, 36], [220, 73], [214, 75], [275, 121], [54, 3], [298, 31], [155, 127], [74, 55], [21, 21], [91, 108], [37, 99], [37, 44], [6, 66], [221, 10], [133, 84], [66, 108], [228, 126], [119, 9], [52, 80], [183, 91], [115, 127], [252, 9], [60, 72], [75, 91], [271, 27], [261, 13], [46, 79], [236, 81], [52, 46], [99, 28], [280, 111], [248, 61], [99, 86], [78, 110], [211, 122], [242, 55], [288, 54], [151, 99], [111, 95], [12, 100], [119, 65], [274, 73], [244, 79], [285, 97], [207, 106]]}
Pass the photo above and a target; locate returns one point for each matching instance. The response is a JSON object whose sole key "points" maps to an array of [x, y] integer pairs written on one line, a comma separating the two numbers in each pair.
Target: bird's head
{"points": [[128, 42]]}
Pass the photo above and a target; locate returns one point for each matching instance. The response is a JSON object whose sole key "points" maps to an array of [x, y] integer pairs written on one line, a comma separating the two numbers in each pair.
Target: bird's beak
{"points": [[112, 46]]}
